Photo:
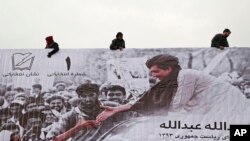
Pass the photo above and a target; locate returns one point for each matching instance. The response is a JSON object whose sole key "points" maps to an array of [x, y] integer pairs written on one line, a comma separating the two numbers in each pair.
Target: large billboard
{"points": [[162, 94]]}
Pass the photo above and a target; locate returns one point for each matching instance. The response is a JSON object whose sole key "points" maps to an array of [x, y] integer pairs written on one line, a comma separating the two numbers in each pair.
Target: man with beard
{"points": [[50, 120], [56, 103], [16, 108], [60, 86], [80, 117], [32, 124], [116, 95], [220, 40], [183, 91], [10, 96], [37, 91], [74, 123]]}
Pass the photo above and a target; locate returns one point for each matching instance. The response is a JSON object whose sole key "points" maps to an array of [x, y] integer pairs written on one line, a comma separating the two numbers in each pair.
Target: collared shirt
{"points": [[71, 118], [199, 93], [202, 93], [67, 121]]}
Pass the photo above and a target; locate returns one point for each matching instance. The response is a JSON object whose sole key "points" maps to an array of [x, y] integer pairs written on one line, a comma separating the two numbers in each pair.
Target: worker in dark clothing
{"points": [[51, 44], [220, 40], [118, 43]]}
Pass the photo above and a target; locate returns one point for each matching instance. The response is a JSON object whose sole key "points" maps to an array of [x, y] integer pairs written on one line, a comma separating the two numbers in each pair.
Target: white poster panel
{"points": [[103, 95]]}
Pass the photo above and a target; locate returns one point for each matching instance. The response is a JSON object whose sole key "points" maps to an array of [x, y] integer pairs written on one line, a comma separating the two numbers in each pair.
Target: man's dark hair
{"points": [[247, 83], [10, 126], [117, 87], [32, 114], [33, 100], [161, 94], [13, 135], [119, 34], [37, 86], [87, 88], [226, 30], [19, 89], [163, 61], [55, 97]]}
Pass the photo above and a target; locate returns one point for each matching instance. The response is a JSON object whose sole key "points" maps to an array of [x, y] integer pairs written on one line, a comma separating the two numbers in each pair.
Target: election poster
{"points": [[161, 94]]}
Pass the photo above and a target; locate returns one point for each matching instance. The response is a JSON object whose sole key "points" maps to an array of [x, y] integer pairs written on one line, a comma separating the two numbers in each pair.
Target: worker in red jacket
{"points": [[51, 44]]}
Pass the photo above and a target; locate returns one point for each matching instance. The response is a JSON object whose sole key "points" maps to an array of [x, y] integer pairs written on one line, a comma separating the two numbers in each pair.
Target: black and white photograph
{"points": [[137, 94], [131, 70]]}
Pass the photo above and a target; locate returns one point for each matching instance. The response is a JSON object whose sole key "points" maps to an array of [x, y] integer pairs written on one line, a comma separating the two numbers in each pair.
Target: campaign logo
{"points": [[22, 61]]}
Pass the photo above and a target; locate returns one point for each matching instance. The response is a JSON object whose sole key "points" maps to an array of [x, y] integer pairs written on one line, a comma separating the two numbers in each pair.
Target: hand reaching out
{"points": [[108, 112], [87, 123], [82, 124]]}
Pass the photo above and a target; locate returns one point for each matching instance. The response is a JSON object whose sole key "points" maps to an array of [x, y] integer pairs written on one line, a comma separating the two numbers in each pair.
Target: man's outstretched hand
{"points": [[108, 112], [87, 123], [82, 124]]}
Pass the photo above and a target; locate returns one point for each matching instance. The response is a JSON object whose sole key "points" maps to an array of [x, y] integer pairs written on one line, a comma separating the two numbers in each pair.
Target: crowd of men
{"points": [[37, 114], [61, 113]]}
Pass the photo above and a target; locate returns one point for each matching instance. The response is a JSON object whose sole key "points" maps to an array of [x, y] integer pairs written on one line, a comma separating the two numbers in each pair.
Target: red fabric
{"points": [[49, 40]]}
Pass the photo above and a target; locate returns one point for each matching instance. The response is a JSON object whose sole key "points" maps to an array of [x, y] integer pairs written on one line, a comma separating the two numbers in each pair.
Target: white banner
{"points": [[62, 97]]}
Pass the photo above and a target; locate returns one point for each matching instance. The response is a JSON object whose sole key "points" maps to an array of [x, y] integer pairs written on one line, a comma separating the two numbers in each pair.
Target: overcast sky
{"points": [[144, 23]]}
